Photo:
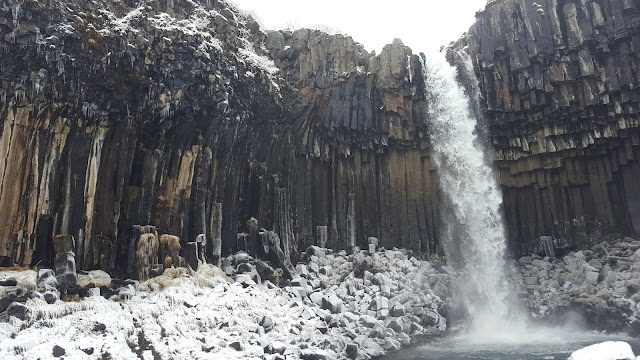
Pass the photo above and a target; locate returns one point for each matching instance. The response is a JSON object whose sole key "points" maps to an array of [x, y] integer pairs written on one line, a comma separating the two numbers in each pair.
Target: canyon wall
{"points": [[560, 81], [117, 114], [187, 116]]}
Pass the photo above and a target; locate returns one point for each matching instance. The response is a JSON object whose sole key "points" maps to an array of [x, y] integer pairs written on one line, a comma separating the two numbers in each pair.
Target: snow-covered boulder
{"points": [[609, 350], [96, 278]]}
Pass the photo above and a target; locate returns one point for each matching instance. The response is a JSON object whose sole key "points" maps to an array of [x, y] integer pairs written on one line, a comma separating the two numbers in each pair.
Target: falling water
{"points": [[474, 241]]}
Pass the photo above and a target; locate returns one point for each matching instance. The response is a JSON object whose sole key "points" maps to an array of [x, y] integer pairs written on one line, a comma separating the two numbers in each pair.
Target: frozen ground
{"points": [[194, 316], [341, 306]]}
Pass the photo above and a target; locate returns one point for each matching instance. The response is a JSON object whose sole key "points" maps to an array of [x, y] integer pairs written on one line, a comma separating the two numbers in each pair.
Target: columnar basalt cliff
{"points": [[186, 116], [561, 84], [117, 114]]}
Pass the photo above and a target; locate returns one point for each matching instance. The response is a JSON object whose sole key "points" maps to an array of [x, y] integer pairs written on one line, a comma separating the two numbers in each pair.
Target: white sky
{"points": [[423, 25]]}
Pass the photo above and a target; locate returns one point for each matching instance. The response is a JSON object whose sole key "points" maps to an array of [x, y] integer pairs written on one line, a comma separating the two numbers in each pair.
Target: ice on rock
{"points": [[165, 315], [609, 350]]}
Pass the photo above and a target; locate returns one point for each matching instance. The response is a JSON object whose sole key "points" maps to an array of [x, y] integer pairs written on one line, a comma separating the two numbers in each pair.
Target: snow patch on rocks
{"points": [[343, 306], [602, 283]]}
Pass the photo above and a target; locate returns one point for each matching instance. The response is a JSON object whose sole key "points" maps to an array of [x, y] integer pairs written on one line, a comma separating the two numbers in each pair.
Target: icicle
{"points": [[15, 11], [166, 110], [19, 95], [60, 66]]}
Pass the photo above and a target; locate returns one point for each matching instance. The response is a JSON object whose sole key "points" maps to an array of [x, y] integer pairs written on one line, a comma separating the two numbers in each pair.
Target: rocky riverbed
{"points": [[340, 305], [336, 305]]}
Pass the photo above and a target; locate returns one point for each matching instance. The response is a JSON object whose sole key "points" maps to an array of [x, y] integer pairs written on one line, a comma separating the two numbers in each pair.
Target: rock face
{"points": [[186, 116], [173, 114], [561, 89]]}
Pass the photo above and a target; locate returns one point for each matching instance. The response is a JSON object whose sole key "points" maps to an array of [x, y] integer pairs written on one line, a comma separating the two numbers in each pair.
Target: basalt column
{"points": [[561, 98]]}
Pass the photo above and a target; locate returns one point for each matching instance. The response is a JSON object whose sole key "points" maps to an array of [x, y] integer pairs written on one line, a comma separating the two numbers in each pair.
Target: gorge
{"points": [[317, 167], [343, 136]]}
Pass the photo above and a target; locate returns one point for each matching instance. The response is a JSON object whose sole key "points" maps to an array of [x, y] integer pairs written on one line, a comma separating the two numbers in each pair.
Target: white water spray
{"points": [[475, 238]]}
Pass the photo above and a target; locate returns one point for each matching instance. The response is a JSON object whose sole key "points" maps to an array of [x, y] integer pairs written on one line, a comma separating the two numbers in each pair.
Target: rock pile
{"points": [[369, 303], [339, 306], [603, 283]]}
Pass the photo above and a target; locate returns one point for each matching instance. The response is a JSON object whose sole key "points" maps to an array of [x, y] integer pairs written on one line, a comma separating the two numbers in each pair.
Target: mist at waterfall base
{"points": [[493, 321]]}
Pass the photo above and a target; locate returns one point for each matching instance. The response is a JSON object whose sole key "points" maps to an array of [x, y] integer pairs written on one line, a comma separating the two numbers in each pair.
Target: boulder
{"points": [[6, 300], [244, 268], [267, 323], [332, 303], [351, 350], [93, 292], [50, 297], [18, 310], [58, 351], [379, 303], [316, 298], [372, 349], [10, 281], [95, 278], [65, 269], [126, 292], [398, 310], [46, 279], [446, 269], [315, 354], [591, 278], [315, 251], [236, 345], [241, 257], [278, 347]]}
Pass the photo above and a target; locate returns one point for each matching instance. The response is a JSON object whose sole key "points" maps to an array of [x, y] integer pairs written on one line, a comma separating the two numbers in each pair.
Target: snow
{"points": [[198, 28], [181, 315], [198, 24], [123, 24], [25, 278], [609, 350], [66, 28], [262, 62]]}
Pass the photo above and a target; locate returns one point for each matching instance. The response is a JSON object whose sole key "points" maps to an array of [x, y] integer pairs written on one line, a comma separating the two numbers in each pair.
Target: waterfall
{"points": [[474, 235]]}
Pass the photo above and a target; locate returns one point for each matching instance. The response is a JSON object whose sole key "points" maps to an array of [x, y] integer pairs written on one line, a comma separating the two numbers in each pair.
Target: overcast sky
{"points": [[423, 25]]}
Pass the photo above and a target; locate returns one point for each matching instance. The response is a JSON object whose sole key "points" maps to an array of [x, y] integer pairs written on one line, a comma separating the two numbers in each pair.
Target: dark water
{"points": [[555, 346]]}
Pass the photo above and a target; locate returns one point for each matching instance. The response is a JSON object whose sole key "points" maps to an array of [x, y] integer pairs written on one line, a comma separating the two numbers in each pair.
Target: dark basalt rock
{"points": [[6, 301], [195, 133], [561, 103], [126, 122], [18, 310], [9, 282], [50, 297], [6, 261], [236, 345], [58, 351]]}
